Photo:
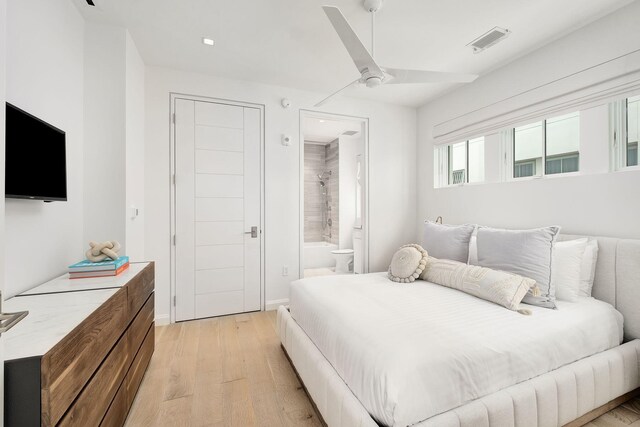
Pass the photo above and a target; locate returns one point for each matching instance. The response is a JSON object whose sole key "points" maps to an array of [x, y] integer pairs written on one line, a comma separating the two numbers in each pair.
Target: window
{"points": [[459, 163], [548, 147], [633, 130]]}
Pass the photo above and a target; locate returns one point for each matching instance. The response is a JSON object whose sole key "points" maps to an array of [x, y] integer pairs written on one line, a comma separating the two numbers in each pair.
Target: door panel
{"points": [[223, 139], [218, 201], [219, 185], [219, 162], [219, 256], [219, 233], [212, 210]]}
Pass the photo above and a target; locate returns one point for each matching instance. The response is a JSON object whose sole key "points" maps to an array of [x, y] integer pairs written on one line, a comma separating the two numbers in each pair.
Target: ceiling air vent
{"points": [[350, 132], [488, 39]]}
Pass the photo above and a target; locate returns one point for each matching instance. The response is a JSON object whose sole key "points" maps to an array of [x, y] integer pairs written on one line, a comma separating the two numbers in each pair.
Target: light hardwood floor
{"points": [[231, 371]]}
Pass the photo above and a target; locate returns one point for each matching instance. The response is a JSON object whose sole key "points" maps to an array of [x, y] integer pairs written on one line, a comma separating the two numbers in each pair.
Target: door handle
{"points": [[9, 320], [253, 232]]}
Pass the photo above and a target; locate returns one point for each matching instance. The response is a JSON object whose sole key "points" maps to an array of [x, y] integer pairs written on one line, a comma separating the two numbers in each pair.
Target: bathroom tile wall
{"points": [[332, 164], [314, 164]]}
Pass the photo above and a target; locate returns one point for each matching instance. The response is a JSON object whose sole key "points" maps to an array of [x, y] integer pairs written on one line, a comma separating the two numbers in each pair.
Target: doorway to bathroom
{"points": [[333, 194]]}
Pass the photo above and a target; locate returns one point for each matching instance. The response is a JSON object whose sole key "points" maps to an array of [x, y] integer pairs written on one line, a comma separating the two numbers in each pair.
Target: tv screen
{"points": [[35, 158]]}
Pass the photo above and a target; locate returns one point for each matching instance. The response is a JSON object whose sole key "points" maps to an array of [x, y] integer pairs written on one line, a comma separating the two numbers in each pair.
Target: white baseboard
{"points": [[274, 304], [163, 320]]}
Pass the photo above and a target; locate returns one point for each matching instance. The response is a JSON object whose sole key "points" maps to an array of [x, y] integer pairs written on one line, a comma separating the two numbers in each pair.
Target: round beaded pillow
{"points": [[408, 263]]}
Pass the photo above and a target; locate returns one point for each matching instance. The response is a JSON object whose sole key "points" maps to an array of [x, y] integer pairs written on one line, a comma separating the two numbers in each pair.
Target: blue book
{"points": [[108, 264]]}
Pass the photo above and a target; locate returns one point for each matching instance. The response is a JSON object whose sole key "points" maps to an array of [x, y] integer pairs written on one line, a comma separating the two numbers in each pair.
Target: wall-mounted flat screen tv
{"points": [[35, 158]]}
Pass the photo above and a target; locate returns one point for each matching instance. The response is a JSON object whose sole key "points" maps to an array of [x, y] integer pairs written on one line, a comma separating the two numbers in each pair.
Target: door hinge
{"points": [[174, 300], [173, 118], [174, 240], [173, 179]]}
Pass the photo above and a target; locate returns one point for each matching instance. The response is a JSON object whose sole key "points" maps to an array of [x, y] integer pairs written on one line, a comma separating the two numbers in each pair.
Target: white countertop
{"points": [[51, 317], [64, 284]]}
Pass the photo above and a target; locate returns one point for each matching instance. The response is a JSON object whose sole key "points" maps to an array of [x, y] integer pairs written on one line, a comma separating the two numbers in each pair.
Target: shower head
{"points": [[321, 183], [324, 175]]}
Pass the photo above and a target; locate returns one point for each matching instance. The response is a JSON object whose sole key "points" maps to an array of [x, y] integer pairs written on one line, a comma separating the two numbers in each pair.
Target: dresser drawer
{"points": [[95, 398], [69, 365], [140, 325], [139, 289], [117, 413], [139, 366]]}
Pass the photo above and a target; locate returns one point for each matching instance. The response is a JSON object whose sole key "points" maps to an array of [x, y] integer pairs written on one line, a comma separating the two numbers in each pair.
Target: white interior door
{"points": [[217, 211]]}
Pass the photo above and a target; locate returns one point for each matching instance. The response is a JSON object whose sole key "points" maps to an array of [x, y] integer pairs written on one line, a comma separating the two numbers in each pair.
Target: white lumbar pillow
{"points": [[407, 263], [499, 287], [566, 268], [588, 269]]}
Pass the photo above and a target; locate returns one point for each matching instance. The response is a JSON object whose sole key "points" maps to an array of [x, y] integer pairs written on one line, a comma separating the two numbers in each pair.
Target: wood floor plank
{"points": [[624, 415], [237, 407], [232, 363], [633, 405], [182, 374], [172, 413]]}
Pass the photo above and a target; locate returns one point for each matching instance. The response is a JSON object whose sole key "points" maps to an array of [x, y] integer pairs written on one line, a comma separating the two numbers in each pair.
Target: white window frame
{"points": [[507, 143], [442, 165], [618, 135]]}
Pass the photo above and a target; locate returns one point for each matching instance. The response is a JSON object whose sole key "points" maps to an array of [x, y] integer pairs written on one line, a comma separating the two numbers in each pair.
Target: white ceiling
{"points": [[326, 130], [291, 42]]}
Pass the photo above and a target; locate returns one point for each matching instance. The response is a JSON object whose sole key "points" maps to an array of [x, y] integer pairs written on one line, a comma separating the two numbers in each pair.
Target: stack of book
{"points": [[108, 267]]}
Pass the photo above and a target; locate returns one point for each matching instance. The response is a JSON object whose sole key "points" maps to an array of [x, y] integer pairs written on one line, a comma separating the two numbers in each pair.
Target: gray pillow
{"points": [[444, 241], [527, 253]]}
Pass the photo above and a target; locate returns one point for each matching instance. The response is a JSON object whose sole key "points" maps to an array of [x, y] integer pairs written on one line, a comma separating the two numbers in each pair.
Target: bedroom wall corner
{"points": [[46, 79]]}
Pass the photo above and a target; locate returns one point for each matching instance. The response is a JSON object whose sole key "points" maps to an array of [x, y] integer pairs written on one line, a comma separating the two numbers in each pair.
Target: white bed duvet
{"points": [[411, 351]]}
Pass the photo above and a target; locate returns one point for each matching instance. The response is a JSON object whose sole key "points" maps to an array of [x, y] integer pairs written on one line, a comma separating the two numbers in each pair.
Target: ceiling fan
{"points": [[371, 74]]}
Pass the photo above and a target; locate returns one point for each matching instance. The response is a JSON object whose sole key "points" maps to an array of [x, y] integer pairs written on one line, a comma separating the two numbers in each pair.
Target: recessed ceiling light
{"points": [[208, 42], [321, 121]]}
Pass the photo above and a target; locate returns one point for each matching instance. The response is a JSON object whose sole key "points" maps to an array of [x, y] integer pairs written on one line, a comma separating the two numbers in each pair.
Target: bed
{"points": [[371, 353]]}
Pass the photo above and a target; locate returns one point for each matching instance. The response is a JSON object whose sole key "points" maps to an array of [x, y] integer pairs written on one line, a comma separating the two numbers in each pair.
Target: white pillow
{"points": [[445, 241], [566, 268], [588, 268], [528, 253], [499, 287]]}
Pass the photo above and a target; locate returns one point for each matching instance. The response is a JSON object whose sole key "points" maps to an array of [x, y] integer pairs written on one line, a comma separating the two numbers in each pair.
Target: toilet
{"points": [[344, 260]]}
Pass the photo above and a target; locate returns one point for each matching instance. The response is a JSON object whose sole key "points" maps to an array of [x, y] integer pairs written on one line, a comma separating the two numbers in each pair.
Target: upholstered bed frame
{"points": [[571, 395]]}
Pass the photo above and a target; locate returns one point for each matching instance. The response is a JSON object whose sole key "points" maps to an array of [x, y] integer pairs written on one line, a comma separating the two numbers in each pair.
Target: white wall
{"points": [[44, 75], [350, 147], [134, 108], [391, 161], [104, 133], [594, 202], [114, 139]]}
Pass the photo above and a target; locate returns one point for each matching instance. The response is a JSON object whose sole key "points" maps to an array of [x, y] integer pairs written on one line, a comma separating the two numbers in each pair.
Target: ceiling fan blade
{"points": [[360, 55], [423, 76], [324, 101]]}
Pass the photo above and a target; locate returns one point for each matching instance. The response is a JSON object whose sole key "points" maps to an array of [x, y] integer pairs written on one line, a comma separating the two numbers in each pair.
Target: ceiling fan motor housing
{"points": [[374, 81], [372, 5]]}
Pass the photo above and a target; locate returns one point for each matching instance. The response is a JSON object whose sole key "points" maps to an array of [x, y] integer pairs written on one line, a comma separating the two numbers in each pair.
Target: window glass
{"points": [[476, 160], [563, 144], [458, 163], [633, 130], [527, 149]]}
